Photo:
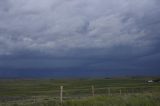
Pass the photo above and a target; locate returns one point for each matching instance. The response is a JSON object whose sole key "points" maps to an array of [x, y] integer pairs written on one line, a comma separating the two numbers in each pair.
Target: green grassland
{"points": [[78, 92]]}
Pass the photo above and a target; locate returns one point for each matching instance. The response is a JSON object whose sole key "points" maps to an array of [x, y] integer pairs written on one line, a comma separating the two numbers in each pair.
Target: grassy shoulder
{"points": [[114, 100], [108, 92], [127, 100]]}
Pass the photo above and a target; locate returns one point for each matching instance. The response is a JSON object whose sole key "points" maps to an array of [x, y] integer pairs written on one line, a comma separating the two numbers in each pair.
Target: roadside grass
{"points": [[114, 100], [134, 92], [128, 100]]}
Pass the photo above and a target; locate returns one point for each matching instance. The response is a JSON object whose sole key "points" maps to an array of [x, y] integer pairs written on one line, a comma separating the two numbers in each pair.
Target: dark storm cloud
{"points": [[94, 34]]}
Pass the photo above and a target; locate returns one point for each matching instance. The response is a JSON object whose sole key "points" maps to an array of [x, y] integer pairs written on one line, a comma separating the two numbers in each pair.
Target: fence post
{"points": [[34, 99], [61, 94], [109, 91], [133, 90], [92, 90], [120, 92], [126, 91]]}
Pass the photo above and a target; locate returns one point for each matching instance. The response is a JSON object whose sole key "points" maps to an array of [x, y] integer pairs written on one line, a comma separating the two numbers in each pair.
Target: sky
{"points": [[45, 38]]}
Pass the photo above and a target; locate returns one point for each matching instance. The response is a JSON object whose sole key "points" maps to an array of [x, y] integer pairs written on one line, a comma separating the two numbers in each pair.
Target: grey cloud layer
{"points": [[117, 29], [53, 25]]}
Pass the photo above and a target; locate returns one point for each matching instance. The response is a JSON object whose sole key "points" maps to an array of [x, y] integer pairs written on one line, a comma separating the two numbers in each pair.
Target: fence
{"points": [[78, 93], [96, 91]]}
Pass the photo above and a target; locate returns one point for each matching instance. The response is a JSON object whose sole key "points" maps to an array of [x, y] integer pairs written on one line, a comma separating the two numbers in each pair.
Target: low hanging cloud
{"points": [[97, 29]]}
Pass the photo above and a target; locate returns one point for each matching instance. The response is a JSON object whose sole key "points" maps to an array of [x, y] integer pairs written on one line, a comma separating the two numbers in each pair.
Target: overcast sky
{"points": [[93, 37]]}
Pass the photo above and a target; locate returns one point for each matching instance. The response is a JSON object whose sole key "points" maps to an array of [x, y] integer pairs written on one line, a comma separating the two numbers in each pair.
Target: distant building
{"points": [[150, 81]]}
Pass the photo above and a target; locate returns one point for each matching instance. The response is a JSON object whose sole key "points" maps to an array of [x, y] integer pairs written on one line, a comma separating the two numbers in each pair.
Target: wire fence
{"points": [[78, 93]]}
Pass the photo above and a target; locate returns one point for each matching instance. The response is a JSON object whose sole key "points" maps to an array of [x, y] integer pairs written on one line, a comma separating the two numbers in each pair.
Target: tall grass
{"points": [[115, 100], [129, 100]]}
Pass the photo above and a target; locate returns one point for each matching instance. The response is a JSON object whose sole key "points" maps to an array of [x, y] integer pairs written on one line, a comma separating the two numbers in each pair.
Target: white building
{"points": [[150, 81]]}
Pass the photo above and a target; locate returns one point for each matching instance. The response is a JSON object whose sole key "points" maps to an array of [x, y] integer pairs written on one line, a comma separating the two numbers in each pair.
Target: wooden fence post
{"points": [[120, 92], [109, 91], [34, 99], [133, 90], [127, 91], [92, 90], [61, 94]]}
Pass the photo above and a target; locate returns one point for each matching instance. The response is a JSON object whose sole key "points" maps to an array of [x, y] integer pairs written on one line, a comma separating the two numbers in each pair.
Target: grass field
{"points": [[108, 92]]}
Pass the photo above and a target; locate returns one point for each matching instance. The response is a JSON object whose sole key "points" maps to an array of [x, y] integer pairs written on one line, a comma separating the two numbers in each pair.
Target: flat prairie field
{"points": [[135, 91]]}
